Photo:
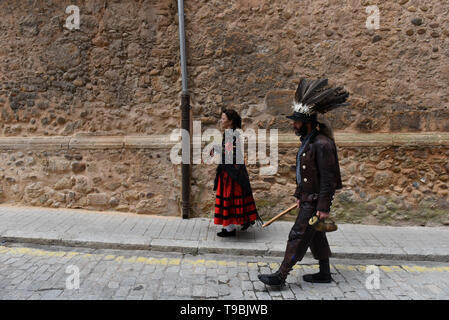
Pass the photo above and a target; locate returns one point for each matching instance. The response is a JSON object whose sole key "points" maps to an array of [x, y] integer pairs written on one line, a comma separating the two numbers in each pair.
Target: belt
{"points": [[308, 196]]}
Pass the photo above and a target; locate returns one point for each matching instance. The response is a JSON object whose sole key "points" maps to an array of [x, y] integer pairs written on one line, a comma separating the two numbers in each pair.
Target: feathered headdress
{"points": [[314, 96]]}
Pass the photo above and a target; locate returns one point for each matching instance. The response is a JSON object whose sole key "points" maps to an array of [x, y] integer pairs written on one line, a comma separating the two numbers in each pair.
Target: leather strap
{"points": [[308, 197]]}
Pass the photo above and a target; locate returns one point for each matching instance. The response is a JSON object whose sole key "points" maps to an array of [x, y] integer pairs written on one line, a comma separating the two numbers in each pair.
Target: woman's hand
{"points": [[298, 202]]}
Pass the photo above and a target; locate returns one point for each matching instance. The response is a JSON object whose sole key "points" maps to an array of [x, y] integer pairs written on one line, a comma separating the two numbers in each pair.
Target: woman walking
{"points": [[234, 202]]}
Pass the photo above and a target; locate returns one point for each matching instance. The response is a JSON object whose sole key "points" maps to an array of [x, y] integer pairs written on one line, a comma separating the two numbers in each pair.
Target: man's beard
{"points": [[302, 131]]}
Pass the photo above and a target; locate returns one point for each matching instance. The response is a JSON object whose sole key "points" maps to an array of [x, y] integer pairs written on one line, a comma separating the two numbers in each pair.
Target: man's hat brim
{"points": [[293, 117], [297, 116]]}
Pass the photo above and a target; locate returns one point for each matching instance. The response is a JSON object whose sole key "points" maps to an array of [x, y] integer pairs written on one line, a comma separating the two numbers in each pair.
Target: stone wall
{"points": [[119, 75], [394, 185], [120, 180], [384, 184]]}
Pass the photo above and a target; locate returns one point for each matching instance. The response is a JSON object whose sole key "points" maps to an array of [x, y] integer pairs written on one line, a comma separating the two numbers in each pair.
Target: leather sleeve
{"points": [[298, 189], [326, 162], [296, 194]]}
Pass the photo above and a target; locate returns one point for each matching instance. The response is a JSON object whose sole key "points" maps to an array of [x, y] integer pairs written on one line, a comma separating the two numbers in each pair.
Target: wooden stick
{"points": [[280, 215]]}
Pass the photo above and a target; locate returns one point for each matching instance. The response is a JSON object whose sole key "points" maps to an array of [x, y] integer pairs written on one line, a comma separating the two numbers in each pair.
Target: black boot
{"points": [[224, 233], [246, 225], [274, 279], [324, 276]]}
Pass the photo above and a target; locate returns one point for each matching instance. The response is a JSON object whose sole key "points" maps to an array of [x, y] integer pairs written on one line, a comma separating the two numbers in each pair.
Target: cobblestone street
{"points": [[48, 272]]}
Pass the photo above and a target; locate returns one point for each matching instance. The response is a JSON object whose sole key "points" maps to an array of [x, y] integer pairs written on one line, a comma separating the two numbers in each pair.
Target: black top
{"points": [[232, 161]]}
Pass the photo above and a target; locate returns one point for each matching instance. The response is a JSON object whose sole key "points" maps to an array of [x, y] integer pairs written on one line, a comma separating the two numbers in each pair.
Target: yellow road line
{"points": [[202, 262]]}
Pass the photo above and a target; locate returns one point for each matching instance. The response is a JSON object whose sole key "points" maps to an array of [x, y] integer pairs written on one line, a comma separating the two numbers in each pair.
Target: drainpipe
{"points": [[185, 112]]}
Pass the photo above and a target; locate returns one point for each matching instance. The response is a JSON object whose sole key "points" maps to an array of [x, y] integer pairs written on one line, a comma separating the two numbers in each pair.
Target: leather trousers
{"points": [[301, 237]]}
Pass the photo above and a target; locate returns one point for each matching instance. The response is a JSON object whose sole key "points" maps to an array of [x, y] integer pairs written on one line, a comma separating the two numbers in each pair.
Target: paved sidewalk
{"points": [[115, 230]]}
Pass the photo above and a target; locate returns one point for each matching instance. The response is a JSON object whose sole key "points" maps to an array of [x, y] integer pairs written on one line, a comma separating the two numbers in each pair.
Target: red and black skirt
{"points": [[232, 204]]}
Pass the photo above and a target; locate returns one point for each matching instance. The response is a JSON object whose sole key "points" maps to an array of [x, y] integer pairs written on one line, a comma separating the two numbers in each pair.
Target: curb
{"points": [[203, 247]]}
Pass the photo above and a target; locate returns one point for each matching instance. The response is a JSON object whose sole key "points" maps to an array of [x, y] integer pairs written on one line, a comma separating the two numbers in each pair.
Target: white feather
{"points": [[302, 108]]}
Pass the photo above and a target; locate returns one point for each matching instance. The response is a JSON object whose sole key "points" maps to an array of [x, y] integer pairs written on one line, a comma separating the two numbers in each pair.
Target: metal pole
{"points": [[182, 46], [185, 112]]}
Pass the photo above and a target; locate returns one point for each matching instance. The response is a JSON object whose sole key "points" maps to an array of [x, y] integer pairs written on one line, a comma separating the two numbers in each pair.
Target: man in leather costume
{"points": [[317, 176]]}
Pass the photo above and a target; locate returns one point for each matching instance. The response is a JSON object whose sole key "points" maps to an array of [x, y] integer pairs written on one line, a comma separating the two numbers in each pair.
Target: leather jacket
{"points": [[320, 172]]}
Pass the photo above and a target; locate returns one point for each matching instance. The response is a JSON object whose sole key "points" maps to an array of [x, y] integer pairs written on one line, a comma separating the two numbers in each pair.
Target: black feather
{"points": [[313, 88], [320, 97], [335, 106], [301, 90]]}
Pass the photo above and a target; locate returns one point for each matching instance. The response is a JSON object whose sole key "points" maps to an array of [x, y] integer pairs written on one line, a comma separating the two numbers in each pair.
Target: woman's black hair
{"points": [[234, 117]]}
